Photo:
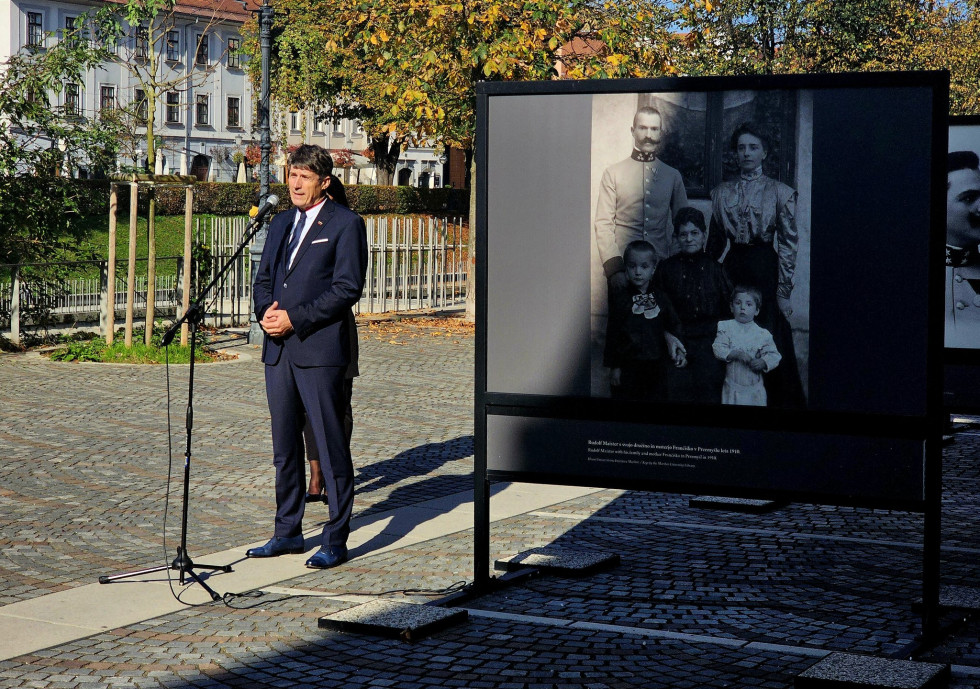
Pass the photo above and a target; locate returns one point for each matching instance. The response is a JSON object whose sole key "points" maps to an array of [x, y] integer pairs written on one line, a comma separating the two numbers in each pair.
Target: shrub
{"points": [[231, 198], [96, 349]]}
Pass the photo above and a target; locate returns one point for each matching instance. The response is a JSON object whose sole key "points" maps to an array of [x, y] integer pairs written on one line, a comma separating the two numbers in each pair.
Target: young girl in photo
{"points": [[747, 348]]}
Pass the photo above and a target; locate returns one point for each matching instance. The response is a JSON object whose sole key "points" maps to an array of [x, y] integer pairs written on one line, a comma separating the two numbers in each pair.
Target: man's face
{"points": [[305, 187], [963, 208], [646, 132]]}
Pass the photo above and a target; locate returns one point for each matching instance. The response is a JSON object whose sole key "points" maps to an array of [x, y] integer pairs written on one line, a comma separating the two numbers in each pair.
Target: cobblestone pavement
{"points": [[702, 598]]}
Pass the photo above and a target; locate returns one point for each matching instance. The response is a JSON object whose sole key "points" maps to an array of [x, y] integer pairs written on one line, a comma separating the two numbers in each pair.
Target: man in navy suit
{"points": [[311, 274]]}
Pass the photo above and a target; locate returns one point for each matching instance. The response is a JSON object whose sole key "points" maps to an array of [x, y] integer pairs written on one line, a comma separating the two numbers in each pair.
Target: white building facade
{"points": [[207, 117], [200, 123], [418, 165]]}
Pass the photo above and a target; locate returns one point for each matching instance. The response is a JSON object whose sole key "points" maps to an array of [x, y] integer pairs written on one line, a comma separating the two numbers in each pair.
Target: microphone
{"points": [[194, 311], [257, 215]]}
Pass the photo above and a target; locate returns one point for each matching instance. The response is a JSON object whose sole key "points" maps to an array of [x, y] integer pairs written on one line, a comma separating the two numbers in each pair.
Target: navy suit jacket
{"points": [[325, 280]]}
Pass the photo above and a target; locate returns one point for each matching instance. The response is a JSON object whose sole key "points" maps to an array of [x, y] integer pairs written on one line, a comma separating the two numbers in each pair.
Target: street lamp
{"points": [[443, 159], [62, 168], [266, 15]]}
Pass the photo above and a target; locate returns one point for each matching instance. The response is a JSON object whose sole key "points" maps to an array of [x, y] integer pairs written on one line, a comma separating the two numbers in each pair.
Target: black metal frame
{"points": [[962, 366], [927, 428]]}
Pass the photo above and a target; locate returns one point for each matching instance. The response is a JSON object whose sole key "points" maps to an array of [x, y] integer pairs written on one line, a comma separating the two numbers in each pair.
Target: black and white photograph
{"points": [[660, 253], [700, 246], [962, 313]]}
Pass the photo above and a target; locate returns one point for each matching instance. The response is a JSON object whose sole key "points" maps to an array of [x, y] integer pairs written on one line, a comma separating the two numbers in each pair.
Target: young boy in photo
{"points": [[747, 348], [639, 344]]}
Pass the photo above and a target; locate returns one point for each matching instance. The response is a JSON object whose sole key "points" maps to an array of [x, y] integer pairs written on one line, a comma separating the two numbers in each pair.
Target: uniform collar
{"points": [[958, 257], [643, 157]]}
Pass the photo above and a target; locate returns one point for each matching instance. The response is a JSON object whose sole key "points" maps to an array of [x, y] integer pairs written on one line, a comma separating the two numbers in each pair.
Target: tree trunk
{"points": [[151, 267], [131, 273], [386, 151]]}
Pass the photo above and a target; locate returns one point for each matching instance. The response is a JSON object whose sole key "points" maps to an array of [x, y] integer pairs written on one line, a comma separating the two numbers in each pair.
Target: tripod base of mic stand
{"points": [[181, 563]]}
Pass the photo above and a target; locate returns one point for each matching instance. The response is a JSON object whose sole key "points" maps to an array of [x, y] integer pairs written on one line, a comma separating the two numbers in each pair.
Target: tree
{"points": [[334, 82], [40, 139], [778, 36], [806, 36], [408, 68], [950, 42], [143, 29]]}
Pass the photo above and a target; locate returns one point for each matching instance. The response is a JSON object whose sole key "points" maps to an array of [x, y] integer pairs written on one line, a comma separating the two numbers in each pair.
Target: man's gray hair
{"points": [[313, 158]]}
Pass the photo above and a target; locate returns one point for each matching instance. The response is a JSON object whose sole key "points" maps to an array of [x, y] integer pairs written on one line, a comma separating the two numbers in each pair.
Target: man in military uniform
{"points": [[637, 199], [963, 250]]}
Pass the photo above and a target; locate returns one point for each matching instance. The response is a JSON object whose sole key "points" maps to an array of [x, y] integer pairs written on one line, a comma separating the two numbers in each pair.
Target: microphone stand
{"points": [[193, 317]]}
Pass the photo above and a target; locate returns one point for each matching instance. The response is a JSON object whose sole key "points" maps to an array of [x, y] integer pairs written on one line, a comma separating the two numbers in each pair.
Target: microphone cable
{"points": [[170, 465], [166, 501]]}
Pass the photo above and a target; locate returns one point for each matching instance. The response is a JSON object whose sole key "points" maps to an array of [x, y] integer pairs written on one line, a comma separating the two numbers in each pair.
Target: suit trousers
{"points": [[318, 393]]}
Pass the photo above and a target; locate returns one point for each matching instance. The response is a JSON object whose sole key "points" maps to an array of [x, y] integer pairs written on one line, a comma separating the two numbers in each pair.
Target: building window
{"points": [[173, 107], [294, 121], [202, 116], [69, 32], [105, 42], [234, 58], [234, 111], [107, 98], [73, 101], [142, 43], [202, 51], [35, 34], [142, 107], [173, 46]]}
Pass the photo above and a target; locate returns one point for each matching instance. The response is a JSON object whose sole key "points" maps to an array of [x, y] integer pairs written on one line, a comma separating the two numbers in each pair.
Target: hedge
{"points": [[230, 198]]}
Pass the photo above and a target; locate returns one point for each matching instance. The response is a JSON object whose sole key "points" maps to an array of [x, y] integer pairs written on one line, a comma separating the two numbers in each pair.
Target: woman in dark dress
{"points": [[700, 292], [316, 492]]}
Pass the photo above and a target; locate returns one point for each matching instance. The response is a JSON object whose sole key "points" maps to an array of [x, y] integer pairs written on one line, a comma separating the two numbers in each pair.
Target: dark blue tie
{"points": [[294, 237]]}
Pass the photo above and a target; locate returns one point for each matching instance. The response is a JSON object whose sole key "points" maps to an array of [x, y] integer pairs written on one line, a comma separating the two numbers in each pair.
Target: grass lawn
{"points": [[169, 242], [169, 237]]}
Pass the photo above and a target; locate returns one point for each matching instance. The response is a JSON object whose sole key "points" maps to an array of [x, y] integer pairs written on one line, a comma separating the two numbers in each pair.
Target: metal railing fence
{"points": [[414, 263]]}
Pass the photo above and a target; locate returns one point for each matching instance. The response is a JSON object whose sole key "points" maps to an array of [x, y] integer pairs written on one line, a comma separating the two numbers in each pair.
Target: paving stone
{"points": [[563, 561], [843, 670], [701, 598], [395, 619], [735, 504], [962, 597]]}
